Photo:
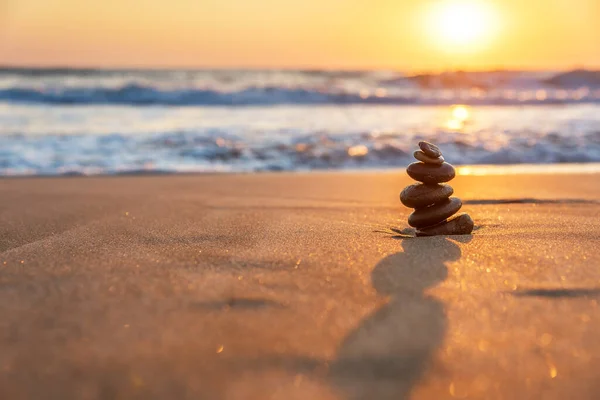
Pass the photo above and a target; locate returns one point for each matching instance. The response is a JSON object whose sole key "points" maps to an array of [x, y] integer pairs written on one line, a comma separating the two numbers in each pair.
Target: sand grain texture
{"points": [[283, 286]]}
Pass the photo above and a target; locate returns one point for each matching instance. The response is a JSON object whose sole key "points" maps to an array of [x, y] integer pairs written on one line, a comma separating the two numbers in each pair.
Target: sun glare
{"points": [[462, 25]]}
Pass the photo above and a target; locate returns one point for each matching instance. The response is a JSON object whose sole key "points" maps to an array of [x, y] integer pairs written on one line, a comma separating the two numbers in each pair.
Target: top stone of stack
{"points": [[430, 149]]}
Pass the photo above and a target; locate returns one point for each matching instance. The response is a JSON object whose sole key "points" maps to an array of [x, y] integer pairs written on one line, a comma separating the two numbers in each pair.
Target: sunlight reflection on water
{"points": [[459, 116], [570, 168]]}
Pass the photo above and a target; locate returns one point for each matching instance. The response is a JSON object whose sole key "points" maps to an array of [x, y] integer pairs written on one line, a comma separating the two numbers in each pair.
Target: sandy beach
{"points": [[293, 286]]}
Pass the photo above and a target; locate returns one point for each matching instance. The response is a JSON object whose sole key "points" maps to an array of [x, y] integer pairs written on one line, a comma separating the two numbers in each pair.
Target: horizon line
{"points": [[416, 71]]}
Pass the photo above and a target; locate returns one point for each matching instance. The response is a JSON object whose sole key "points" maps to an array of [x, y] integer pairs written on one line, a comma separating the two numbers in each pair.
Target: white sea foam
{"points": [[93, 139]]}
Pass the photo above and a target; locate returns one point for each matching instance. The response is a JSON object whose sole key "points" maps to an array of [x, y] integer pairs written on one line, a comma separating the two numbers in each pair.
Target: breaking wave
{"points": [[137, 95], [217, 151]]}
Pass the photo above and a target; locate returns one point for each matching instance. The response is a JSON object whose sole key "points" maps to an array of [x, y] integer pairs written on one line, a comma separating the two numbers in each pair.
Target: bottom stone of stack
{"points": [[459, 224]]}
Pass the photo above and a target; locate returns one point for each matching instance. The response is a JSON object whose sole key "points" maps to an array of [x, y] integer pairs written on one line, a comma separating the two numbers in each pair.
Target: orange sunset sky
{"points": [[400, 34]]}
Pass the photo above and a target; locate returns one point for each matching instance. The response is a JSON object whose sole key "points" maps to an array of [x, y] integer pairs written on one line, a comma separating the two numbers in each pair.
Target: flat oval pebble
{"points": [[459, 224], [429, 173], [419, 155], [419, 195], [428, 216], [430, 149]]}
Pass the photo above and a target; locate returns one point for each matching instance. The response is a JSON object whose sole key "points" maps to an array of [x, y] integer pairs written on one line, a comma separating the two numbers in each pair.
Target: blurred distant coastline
{"points": [[268, 87]]}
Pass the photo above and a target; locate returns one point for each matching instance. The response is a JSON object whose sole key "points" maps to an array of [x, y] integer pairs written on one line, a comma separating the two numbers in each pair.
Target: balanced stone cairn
{"points": [[434, 208]]}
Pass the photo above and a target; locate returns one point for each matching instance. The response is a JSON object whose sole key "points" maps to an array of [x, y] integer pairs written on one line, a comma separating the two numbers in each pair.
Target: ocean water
{"points": [[55, 122]]}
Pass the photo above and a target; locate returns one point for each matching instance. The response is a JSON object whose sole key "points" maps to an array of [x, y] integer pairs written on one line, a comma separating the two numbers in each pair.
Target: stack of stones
{"points": [[434, 208]]}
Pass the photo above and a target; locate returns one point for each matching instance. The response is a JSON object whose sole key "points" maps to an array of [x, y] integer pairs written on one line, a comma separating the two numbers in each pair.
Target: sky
{"points": [[410, 35]]}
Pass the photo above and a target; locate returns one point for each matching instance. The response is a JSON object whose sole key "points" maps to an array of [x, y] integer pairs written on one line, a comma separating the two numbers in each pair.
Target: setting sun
{"points": [[463, 25]]}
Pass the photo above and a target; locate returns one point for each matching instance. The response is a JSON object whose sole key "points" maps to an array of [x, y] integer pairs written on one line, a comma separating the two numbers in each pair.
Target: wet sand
{"points": [[293, 286]]}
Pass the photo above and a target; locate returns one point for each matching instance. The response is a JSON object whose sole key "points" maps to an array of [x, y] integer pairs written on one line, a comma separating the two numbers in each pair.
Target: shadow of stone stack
{"points": [[434, 208]]}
